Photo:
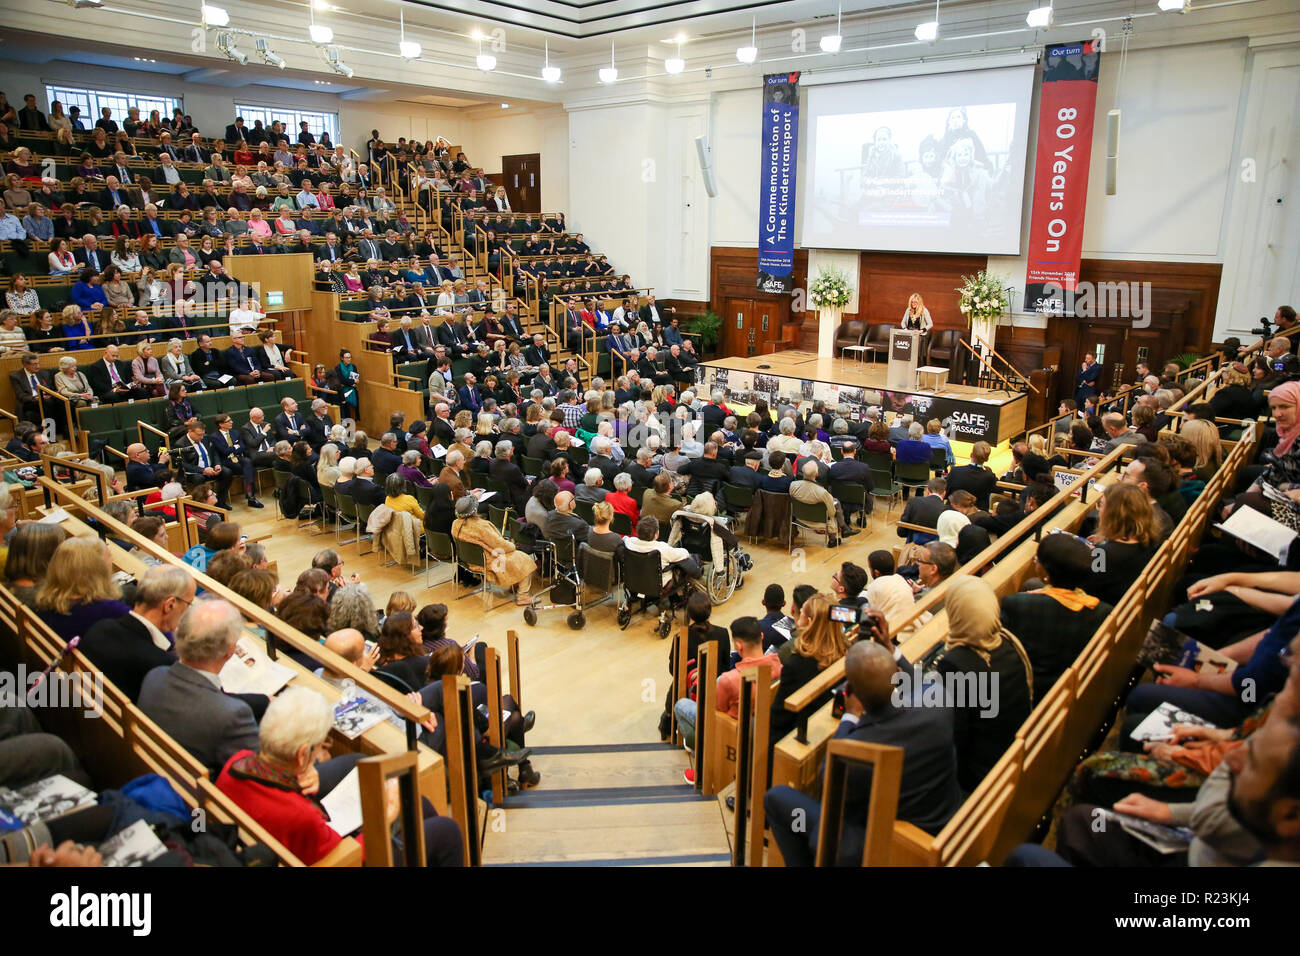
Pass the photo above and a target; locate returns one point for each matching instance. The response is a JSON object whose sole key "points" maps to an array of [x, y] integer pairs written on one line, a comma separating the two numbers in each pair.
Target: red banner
{"points": [[1067, 106]]}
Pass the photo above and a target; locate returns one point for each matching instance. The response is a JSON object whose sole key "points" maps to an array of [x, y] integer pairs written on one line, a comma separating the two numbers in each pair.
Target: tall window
{"points": [[90, 102], [317, 123]]}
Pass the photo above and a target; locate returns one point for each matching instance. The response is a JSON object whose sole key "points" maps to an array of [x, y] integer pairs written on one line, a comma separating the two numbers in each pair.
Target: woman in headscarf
{"points": [[893, 596], [987, 678], [1281, 462]]}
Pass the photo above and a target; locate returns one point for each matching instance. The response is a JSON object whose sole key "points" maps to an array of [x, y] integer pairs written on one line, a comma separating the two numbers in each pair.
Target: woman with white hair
{"points": [[615, 451], [72, 384], [327, 467], [481, 463], [691, 447], [282, 784]]}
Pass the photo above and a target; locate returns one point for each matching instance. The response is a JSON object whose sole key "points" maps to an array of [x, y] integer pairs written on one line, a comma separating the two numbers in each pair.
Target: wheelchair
{"points": [[699, 534], [642, 578]]}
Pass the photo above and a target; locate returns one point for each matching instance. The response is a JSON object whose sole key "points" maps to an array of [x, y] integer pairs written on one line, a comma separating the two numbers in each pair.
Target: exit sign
{"points": [[275, 298]]}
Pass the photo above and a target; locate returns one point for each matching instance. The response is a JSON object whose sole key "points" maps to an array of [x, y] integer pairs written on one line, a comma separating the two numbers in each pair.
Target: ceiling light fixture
{"points": [[550, 74], [226, 44], [336, 62], [1174, 6], [264, 51], [748, 54], [214, 16], [929, 32], [609, 74], [320, 34], [485, 61], [1040, 18], [832, 42], [675, 64], [409, 49]]}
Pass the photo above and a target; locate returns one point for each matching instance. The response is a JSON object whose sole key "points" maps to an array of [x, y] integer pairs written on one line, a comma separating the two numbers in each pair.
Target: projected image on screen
{"points": [[943, 177]]}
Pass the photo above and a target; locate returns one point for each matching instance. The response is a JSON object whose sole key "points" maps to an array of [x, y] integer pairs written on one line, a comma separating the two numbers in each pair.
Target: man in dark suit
{"points": [[236, 131], [257, 439], [924, 510], [748, 471], [330, 249], [386, 459], [1086, 379], [640, 470], [851, 470], [677, 371], [110, 378], [451, 335], [511, 325], [364, 489], [186, 699], [402, 341], [537, 354], [470, 397], [544, 382], [207, 362], [142, 471], [542, 444], [228, 443], [928, 794], [504, 470], [289, 424], [707, 473], [127, 648], [200, 462], [25, 382], [441, 429], [90, 254], [316, 432], [242, 362], [975, 477]]}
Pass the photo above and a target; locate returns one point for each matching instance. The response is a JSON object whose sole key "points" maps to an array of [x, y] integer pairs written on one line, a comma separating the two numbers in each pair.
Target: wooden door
{"points": [[522, 177], [1108, 344], [738, 335]]}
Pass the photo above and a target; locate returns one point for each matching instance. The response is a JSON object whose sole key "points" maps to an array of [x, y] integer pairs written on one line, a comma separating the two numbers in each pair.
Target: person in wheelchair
{"points": [[680, 572], [700, 530]]}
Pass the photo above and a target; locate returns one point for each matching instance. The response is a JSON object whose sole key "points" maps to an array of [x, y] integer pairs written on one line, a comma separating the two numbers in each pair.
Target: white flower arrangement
{"points": [[983, 296], [830, 289]]}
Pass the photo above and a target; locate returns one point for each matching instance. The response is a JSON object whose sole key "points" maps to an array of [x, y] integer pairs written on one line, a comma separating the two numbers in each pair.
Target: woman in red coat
{"points": [[281, 785]]}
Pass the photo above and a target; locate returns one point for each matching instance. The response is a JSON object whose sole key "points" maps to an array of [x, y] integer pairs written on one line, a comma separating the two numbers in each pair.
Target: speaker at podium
{"points": [[904, 357]]}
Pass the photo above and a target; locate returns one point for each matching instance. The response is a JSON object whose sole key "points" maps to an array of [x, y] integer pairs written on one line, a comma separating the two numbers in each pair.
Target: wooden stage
{"points": [[969, 414]]}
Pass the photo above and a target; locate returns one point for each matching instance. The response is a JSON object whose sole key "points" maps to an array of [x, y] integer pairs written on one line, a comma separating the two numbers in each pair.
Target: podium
{"points": [[904, 357]]}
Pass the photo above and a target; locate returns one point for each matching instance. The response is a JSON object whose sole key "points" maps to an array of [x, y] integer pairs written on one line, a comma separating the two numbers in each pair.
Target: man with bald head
{"points": [[562, 522], [141, 472], [349, 644], [882, 705]]}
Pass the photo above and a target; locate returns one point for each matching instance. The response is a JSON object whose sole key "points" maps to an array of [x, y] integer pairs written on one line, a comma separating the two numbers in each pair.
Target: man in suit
{"points": [[236, 131], [470, 397], [289, 425], [707, 473], [364, 489], [673, 365], [537, 354], [924, 510], [402, 340], [544, 382], [851, 470], [874, 712], [90, 254], [121, 170], [654, 314], [425, 337], [316, 432], [1085, 381], [110, 378], [127, 648], [257, 439], [510, 324], [387, 459], [504, 470], [141, 469], [194, 152], [542, 444], [228, 443], [331, 249], [186, 699], [441, 430], [562, 522], [975, 477], [25, 382], [200, 462], [367, 248], [207, 362], [167, 148], [898, 430], [241, 362]]}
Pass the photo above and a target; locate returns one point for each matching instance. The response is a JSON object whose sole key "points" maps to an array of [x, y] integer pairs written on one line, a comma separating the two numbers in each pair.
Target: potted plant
{"points": [[706, 326]]}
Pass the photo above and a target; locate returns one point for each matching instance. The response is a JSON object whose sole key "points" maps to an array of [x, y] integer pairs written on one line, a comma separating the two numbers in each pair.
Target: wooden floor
{"points": [[611, 793]]}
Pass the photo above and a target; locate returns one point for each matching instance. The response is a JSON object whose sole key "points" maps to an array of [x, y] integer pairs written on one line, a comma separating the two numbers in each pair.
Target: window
{"points": [[90, 102], [317, 123]]}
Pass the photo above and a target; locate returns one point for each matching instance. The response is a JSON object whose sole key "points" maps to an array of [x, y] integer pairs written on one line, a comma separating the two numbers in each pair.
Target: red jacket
{"points": [[295, 820]]}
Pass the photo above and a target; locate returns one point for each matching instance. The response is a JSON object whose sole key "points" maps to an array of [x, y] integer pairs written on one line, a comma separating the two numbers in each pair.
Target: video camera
{"points": [[1265, 327]]}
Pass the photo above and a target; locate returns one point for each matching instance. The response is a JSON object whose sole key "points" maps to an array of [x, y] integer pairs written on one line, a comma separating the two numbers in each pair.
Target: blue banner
{"points": [[776, 182]]}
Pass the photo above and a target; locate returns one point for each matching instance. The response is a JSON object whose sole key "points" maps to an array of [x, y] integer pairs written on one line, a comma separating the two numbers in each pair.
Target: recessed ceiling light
{"points": [[1040, 18], [215, 16], [927, 32], [321, 34]]}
